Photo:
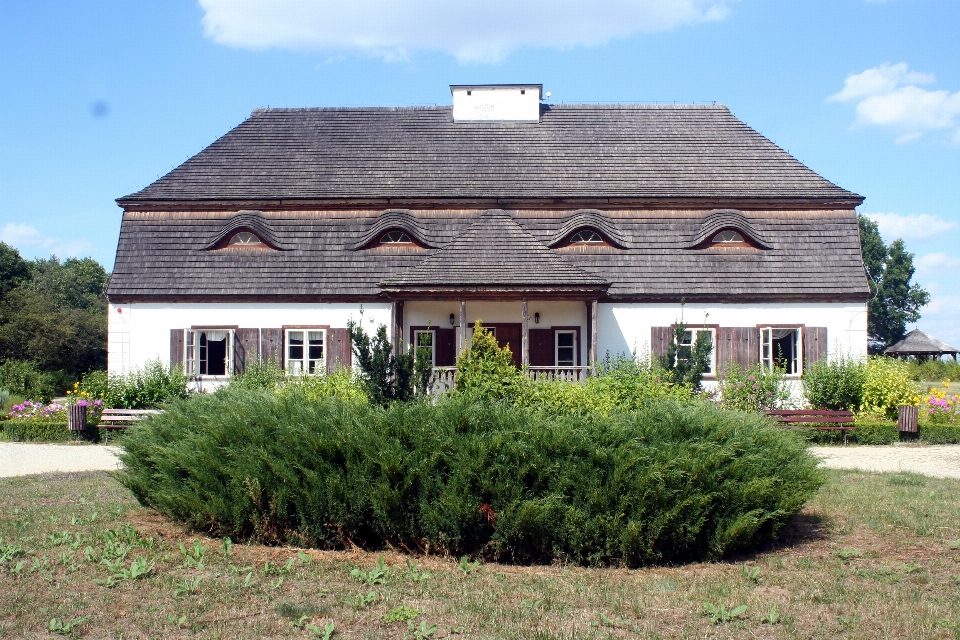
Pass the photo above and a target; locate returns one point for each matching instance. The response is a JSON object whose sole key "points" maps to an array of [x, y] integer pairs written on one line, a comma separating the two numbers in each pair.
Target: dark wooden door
{"points": [[541, 348], [510, 335]]}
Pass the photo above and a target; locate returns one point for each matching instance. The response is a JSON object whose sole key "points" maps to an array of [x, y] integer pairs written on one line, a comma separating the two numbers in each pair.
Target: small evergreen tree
{"points": [[389, 377], [685, 365]]}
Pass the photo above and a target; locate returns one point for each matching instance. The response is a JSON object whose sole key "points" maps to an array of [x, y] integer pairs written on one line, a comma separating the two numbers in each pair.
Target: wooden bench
{"points": [[821, 419], [121, 419]]}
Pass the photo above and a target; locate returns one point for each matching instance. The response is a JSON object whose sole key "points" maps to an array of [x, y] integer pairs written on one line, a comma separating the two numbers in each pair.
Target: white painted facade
{"points": [[626, 328], [139, 332], [496, 103]]}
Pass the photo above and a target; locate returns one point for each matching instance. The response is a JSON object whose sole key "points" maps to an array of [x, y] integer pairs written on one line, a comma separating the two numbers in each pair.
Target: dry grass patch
{"points": [[873, 556]]}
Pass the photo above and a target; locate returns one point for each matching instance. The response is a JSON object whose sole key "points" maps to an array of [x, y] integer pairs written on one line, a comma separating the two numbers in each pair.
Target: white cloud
{"points": [[31, 243], [888, 96], [933, 265], [471, 31], [939, 318], [916, 227]]}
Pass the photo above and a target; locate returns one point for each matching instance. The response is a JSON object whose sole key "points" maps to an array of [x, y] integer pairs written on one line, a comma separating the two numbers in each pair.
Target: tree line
{"points": [[53, 314]]}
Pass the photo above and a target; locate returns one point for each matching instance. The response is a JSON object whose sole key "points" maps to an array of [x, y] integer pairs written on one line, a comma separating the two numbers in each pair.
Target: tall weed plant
{"points": [[887, 384], [755, 388], [668, 483], [836, 385]]}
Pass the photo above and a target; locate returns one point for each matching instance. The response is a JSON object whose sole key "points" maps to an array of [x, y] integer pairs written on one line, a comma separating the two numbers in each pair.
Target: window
{"points": [[728, 236], [690, 337], [395, 237], [586, 237], [244, 239], [209, 352], [782, 347], [565, 348], [426, 339], [304, 351]]}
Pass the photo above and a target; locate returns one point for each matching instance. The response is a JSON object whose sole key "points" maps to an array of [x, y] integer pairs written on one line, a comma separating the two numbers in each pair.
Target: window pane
{"points": [[564, 339], [565, 357]]}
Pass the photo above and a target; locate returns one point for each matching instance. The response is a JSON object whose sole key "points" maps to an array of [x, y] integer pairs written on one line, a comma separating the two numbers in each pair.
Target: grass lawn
{"points": [[873, 556]]}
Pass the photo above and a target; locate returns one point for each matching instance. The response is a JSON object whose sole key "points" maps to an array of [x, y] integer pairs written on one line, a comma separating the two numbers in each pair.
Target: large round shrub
{"points": [[668, 483]]}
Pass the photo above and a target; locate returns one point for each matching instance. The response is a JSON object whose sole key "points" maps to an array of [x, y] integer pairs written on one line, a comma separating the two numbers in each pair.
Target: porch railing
{"points": [[445, 378]]}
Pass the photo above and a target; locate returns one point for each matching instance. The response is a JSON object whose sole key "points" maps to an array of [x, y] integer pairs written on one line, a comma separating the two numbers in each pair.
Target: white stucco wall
{"points": [[140, 332], [625, 328]]}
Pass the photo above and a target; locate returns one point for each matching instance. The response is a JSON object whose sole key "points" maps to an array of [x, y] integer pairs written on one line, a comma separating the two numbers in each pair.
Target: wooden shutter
{"points": [[446, 347], [660, 338], [176, 347], [338, 350], [814, 345], [271, 345], [737, 344], [541, 348], [246, 348]]}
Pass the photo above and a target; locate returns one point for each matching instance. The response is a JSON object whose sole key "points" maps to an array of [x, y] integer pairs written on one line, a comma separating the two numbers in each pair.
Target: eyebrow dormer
{"points": [[727, 228], [246, 230]]}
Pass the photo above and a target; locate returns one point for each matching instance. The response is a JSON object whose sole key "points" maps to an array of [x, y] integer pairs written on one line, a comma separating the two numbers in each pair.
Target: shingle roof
{"points": [[814, 254], [494, 251], [576, 151], [919, 343]]}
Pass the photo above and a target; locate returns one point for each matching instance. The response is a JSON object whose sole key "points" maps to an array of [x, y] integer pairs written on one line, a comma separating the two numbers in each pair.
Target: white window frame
{"points": [[304, 362], [694, 332], [556, 346], [433, 343], [192, 352], [768, 358]]}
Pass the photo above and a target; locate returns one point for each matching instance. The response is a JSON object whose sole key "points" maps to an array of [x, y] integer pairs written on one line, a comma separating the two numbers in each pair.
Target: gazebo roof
{"points": [[918, 343]]}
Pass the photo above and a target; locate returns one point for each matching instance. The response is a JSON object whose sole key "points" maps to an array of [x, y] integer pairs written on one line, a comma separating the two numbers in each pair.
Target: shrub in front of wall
{"points": [[836, 385], [940, 433], [146, 388], [887, 385], [341, 385], [486, 370], [668, 483], [623, 384]]}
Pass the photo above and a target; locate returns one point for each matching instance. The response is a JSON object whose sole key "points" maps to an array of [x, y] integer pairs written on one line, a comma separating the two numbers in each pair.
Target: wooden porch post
{"points": [[525, 335], [592, 332], [462, 336], [397, 326]]}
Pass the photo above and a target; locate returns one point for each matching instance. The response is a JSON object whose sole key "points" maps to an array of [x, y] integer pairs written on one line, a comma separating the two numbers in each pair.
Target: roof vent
{"points": [[496, 102]]}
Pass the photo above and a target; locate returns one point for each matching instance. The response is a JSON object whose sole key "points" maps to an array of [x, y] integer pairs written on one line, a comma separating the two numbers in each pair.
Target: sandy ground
{"points": [[941, 461], [24, 459]]}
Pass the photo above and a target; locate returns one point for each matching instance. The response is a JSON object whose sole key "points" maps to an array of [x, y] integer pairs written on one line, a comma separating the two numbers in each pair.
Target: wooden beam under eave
{"points": [[462, 335], [525, 335]]}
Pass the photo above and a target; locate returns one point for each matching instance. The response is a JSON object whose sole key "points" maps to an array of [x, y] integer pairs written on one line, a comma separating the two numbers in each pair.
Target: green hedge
{"points": [[940, 433], [36, 430], [668, 483]]}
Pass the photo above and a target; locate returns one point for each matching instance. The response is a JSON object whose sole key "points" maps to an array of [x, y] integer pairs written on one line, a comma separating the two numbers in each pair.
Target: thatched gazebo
{"points": [[917, 343]]}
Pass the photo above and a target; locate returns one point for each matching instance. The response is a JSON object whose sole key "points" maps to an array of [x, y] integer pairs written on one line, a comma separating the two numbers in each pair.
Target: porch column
{"points": [[397, 326], [462, 336], [525, 335], [592, 332]]}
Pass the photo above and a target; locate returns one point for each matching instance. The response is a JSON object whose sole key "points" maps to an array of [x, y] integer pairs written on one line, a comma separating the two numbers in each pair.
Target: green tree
{"points": [[895, 301], [385, 376], [14, 270]]}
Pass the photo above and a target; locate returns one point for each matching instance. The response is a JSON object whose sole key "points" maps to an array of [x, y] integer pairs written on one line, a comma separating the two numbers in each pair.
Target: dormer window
{"points": [[728, 236], [244, 239], [587, 236], [395, 238]]}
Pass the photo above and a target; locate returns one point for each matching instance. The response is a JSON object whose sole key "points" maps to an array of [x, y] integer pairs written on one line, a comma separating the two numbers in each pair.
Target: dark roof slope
{"points": [[576, 151], [814, 254], [494, 252], [922, 344]]}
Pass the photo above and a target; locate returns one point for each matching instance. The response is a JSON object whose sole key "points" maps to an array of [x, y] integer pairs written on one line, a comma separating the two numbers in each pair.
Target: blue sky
{"points": [[98, 99]]}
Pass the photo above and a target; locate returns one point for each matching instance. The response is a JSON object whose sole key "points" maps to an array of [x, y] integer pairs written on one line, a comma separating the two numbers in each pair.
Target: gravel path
{"points": [[939, 461], [24, 459]]}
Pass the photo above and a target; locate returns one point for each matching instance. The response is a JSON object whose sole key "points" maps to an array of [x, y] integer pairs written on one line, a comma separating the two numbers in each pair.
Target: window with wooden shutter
{"points": [[246, 348], [660, 338], [738, 345], [814, 345], [176, 348], [338, 349], [271, 345], [209, 352]]}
